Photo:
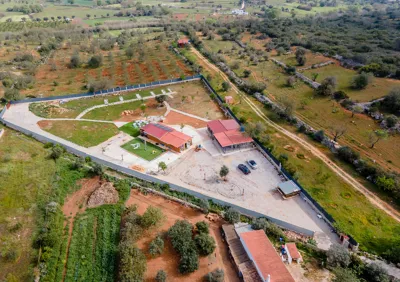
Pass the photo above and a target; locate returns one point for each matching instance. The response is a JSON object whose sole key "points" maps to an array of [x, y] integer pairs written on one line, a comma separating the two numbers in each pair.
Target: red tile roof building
{"points": [[293, 252], [166, 136], [183, 42], [228, 134], [268, 263]]}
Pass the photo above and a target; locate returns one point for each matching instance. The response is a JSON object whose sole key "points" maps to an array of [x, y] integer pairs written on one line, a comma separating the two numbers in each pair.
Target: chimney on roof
{"points": [[268, 278]]}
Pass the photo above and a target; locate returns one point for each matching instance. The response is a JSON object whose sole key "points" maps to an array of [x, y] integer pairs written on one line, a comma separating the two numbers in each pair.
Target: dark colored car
{"points": [[244, 169]]}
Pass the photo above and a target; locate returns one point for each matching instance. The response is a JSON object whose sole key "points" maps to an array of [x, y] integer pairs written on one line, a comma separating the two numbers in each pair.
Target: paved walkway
{"points": [[139, 98]]}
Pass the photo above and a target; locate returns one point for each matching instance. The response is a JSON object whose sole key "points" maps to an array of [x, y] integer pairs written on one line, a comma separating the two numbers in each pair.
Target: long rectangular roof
{"points": [[220, 125], [232, 137], [265, 256], [166, 134], [288, 187], [294, 253]]}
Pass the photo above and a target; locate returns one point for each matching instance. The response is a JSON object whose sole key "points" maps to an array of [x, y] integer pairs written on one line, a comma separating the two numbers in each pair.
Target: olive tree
{"points": [[338, 256]]}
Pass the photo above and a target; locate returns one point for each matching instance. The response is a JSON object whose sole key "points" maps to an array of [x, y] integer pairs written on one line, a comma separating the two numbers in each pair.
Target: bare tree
{"points": [[376, 136], [337, 131]]}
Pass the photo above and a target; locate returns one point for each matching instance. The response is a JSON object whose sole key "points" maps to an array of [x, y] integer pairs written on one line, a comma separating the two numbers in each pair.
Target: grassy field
{"points": [[112, 112], [311, 59], [83, 133], [322, 112], [129, 129], [73, 108], [26, 175], [379, 87], [148, 152], [371, 227]]}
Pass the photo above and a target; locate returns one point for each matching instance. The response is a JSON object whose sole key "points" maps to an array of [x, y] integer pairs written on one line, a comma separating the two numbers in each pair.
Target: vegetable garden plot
{"points": [[93, 248]]}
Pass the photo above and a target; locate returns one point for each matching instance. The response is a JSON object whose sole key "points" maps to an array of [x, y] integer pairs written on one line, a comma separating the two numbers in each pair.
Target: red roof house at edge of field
{"points": [[266, 259]]}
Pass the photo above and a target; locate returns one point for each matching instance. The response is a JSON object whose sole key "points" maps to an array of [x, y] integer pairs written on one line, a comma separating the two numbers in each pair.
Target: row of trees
{"points": [[133, 263], [26, 9], [189, 248]]}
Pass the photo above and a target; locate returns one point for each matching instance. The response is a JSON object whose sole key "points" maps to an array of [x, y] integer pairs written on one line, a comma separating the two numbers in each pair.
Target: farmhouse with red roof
{"points": [[183, 42], [165, 136], [229, 135]]}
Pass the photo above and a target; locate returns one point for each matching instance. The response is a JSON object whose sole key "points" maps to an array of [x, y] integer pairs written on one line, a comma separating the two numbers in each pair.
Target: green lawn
{"points": [[379, 87], [73, 108], [129, 129], [83, 133], [150, 153], [112, 112]]}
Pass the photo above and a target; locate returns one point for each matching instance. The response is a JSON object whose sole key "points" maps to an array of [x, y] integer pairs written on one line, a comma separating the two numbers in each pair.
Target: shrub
{"points": [[161, 276], [151, 217], [232, 215], [327, 87], [205, 244], [344, 275], [260, 224], [205, 205], [12, 94], [375, 273], [75, 61], [96, 85], [340, 95], [202, 227], [319, 136], [348, 155], [360, 81], [215, 276], [385, 183], [391, 121], [132, 264], [48, 145], [181, 238], [338, 256], [393, 253], [274, 231], [156, 246], [392, 101], [189, 261], [95, 61]]}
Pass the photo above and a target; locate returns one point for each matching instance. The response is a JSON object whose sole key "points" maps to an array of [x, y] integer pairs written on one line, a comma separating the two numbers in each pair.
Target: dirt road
{"points": [[313, 150]]}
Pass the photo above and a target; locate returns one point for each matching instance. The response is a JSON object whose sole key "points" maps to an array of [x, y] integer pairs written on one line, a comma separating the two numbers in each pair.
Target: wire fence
{"points": [[111, 90]]}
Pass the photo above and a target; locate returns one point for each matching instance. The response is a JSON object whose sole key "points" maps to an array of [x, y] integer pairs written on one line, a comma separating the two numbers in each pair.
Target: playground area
{"points": [[143, 149]]}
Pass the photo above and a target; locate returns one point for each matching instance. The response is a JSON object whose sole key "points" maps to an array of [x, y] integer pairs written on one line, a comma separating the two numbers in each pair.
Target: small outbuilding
{"points": [[293, 253], [183, 42], [229, 100], [288, 189]]}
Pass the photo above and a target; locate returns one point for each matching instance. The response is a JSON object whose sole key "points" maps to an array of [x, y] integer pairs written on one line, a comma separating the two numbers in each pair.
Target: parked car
{"points": [[244, 169], [252, 164]]}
